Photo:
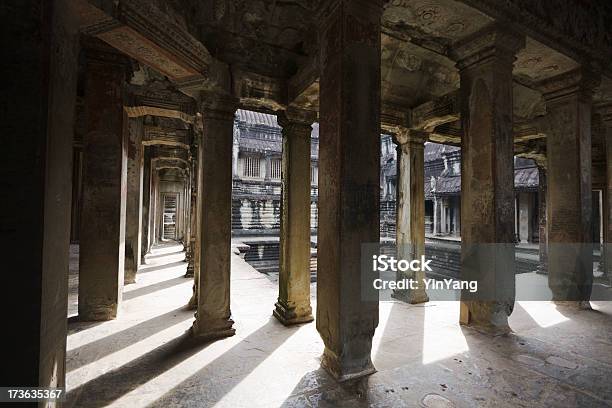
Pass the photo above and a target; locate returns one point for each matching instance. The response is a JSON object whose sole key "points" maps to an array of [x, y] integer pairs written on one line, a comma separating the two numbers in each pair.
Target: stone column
{"points": [[459, 215], [39, 88], [190, 258], [186, 213], [485, 62], [349, 197], [543, 246], [102, 245], [606, 116], [525, 217], [213, 316], [146, 201], [293, 305], [196, 219], [568, 149], [153, 209], [133, 217], [436, 216], [410, 226], [443, 215]]}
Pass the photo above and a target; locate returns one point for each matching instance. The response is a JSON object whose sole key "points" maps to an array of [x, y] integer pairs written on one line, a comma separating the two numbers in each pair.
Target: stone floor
{"points": [[555, 358]]}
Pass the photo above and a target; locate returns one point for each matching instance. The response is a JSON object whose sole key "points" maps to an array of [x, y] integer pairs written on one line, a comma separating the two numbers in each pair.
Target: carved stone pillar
{"points": [[102, 244], [525, 215], [485, 62], [196, 214], [146, 201], [606, 115], [349, 182], [213, 316], [543, 246], [293, 305], [186, 214], [410, 225], [437, 218], [133, 229], [190, 245], [568, 149], [153, 219]]}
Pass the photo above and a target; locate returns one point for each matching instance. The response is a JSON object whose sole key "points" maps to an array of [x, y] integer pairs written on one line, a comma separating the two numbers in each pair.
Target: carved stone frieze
{"points": [[605, 111], [259, 91], [434, 113], [568, 26], [493, 40], [580, 81], [443, 19], [143, 31], [160, 98], [155, 135]]}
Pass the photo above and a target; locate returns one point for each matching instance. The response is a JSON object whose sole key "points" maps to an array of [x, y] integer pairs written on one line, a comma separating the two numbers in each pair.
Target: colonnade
{"points": [[349, 157]]}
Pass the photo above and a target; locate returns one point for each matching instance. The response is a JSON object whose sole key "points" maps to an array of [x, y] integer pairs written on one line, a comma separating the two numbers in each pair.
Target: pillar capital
{"points": [[605, 111], [296, 116], [493, 41], [579, 81], [214, 105], [404, 136]]}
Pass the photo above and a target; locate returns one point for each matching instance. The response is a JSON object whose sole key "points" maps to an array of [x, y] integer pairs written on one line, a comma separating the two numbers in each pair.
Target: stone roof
{"points": [[252, 144], [433, 151], [257, 118]]}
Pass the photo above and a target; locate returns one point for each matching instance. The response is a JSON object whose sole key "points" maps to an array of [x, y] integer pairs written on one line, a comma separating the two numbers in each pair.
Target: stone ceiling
{"points": [[266, 52]]}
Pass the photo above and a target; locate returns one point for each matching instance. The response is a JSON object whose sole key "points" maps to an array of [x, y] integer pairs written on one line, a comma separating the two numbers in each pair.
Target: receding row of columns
{"points": [[121, 208]]}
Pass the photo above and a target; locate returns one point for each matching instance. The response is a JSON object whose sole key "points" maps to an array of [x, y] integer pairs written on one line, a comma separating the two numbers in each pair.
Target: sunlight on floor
{"points": [[545, 314], [121, 357], [260, 378], [210, 355], [442, 340]]}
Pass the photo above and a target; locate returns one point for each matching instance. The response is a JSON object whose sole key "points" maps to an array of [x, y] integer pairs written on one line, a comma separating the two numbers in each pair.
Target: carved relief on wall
{"points": [[440, 18]]}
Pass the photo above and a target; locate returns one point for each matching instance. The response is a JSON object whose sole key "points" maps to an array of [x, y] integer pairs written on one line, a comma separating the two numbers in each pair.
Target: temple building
{"points": [[198, 196]]}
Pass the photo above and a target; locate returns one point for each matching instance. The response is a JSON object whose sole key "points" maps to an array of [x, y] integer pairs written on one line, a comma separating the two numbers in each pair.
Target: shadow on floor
{"points": [[154, 287], [95, 350], [160, 267], [110, 386], [229, 369]]}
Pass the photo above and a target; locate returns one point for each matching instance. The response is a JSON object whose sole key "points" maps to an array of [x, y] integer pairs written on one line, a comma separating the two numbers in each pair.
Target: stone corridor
{"points": [[146, 140], [554, 358]]}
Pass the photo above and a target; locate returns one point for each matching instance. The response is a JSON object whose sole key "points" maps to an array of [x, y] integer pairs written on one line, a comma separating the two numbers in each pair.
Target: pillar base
{"points": [[288, 315], [212, 330], [413, 297], [127, 280], [97, 314], [574, 304], [482, 317], [343, 370]]}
